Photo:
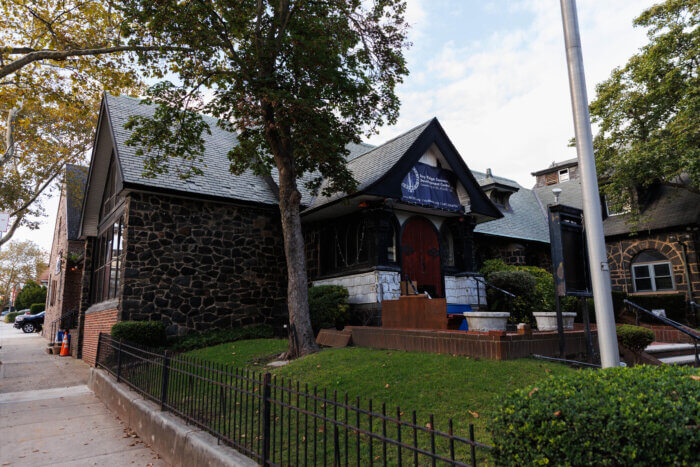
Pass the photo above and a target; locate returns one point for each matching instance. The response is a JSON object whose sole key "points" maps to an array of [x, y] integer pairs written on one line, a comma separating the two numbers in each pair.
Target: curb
{"points": [[178, 443]]}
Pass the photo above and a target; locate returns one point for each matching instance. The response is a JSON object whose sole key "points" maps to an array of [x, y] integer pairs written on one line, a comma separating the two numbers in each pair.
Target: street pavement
{"points": [[48, 416]]}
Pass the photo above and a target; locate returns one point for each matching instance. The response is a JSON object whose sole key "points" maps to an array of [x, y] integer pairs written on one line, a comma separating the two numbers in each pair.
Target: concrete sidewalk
{"points": [[48, 416]]}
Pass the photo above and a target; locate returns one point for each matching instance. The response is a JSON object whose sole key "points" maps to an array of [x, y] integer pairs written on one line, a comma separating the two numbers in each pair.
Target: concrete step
{"points": [[669, 350], [679, 360]]}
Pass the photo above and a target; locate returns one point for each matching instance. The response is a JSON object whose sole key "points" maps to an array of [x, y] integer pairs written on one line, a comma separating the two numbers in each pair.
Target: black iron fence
{"points": [[279, 422]]}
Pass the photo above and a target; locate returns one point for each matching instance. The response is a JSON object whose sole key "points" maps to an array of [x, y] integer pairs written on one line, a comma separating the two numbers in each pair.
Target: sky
{"points": [[494, 74]]}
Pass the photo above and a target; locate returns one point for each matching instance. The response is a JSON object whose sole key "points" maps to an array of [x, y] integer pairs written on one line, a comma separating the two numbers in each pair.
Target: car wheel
{"points": [[28, 328]]}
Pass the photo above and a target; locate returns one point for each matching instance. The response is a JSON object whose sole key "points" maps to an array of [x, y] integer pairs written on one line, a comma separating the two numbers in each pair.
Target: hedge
{"points": [[219, 336], [328, 307], [646, 415], [10, 317], [634, 338], [37, 308], [674, 304], [145, 333]]}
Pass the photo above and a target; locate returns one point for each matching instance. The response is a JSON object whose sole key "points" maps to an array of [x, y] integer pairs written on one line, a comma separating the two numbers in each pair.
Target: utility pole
{"points": [[593, 219]]}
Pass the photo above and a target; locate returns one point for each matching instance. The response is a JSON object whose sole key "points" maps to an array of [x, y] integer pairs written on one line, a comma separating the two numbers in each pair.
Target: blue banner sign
{"points": [[430, 186]]}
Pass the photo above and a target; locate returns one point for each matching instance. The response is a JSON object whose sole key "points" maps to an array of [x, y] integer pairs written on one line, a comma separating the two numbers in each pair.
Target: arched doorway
{"points": [[420, 255]]}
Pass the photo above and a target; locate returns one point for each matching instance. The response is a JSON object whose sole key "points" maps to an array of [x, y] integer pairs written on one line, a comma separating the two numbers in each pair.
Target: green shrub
{"points": [[494, 265], [10, 317], [674, 304], [635, 338], [523, 285], [618, 298], [219, 336], [31, 293], [644, 415], [328, 306], [145, 333], [37, 308]]}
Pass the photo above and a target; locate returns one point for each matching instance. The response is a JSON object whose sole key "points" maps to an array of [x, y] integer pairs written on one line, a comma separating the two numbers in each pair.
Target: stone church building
{"points": [[207, 251]]}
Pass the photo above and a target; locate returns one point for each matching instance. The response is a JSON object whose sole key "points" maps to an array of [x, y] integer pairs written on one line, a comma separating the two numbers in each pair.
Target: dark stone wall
{"points": [[512, 251], [197, 265], [622, 251]]}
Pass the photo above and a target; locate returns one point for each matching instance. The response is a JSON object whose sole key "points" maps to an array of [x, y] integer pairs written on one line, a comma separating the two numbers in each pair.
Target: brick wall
{"points": [[94, 323], [64, 277]]}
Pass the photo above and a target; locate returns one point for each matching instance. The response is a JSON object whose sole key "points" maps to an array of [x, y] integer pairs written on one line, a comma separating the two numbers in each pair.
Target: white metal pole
{"points": [[593, 220]]}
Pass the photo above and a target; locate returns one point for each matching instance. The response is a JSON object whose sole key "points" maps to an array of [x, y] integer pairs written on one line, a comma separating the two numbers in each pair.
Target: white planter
{"points": [[486, 320], [547, 320]]}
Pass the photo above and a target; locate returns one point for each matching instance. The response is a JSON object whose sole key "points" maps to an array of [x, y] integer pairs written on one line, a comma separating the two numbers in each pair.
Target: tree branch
{"points": [[9, 136], [37, 55]]}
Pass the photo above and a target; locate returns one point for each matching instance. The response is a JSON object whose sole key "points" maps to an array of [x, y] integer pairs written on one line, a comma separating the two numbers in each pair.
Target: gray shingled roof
{"points": [[524, 220], [76, 177], [368, 167], [217, 180], [665, 207], [571, 194]]}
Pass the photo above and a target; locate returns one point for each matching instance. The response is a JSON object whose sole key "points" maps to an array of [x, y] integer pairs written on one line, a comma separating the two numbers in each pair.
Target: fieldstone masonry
{"points": [[622, 252], [195, 264]]}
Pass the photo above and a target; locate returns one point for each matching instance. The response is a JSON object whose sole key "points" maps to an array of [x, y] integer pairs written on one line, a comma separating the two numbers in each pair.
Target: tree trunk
{"points": [[301, 336]]}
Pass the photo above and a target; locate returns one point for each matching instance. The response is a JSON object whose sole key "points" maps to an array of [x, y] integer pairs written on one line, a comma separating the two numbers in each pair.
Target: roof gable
{"points": [[381, 170]]}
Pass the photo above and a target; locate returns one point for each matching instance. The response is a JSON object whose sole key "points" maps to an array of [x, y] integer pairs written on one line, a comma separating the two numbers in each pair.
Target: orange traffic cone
{"points": [[65, 346]]}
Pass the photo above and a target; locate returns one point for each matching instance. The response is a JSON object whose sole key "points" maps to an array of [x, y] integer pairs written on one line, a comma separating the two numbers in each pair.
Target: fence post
{"points": [[266, 418], [119, 361], [165, 379], [99, 344]]}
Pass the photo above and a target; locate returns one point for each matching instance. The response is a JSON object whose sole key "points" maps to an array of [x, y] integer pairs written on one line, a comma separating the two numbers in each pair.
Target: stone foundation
{"points": [[464, 290], [368, 287]]}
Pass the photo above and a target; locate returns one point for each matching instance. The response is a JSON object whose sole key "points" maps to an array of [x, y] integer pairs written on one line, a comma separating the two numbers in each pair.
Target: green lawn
{"points": [[252, 354], [461, 388]]}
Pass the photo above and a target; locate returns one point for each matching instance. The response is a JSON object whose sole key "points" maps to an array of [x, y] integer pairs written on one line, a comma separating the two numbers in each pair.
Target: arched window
{"points": [[651, 271]]}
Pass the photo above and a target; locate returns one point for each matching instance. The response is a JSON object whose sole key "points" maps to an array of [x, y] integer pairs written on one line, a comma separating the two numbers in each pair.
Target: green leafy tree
{"points": [[648, 112], [20, 263], [56, 59], [297, 80], [31, 293]]}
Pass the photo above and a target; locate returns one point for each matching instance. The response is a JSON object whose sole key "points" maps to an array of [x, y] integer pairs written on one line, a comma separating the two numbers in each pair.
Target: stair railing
{"points": [[509, 295], [668, 322]]}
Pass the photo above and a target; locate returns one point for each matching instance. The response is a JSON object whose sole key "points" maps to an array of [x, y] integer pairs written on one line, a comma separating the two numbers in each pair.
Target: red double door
{"points": [[420, 256]]}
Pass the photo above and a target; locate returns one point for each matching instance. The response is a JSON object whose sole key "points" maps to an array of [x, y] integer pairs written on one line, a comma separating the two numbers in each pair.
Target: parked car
{"points": [[30, 323], [6, 310]]}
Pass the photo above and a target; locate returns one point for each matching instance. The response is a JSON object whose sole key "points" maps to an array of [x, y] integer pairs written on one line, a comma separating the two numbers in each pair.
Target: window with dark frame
{"points": [[345, 245], [109, 251]]}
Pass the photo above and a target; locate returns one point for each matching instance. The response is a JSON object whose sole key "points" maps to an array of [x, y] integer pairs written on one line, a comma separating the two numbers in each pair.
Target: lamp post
{"points": [[593, 220]]}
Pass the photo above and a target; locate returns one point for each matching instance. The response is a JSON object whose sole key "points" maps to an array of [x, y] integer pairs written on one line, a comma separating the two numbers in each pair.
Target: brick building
{"points": [[658, 254], [65, 269]]}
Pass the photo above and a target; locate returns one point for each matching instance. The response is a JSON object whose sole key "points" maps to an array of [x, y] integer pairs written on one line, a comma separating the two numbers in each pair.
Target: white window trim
{"points": [[625, 210], [652, 275], [563, 171]]}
